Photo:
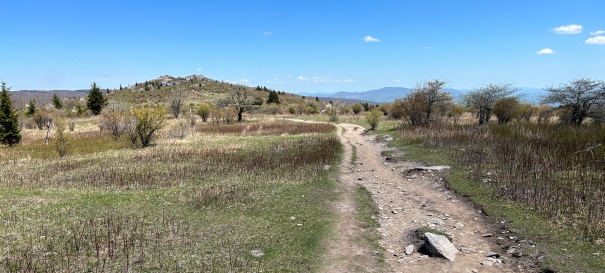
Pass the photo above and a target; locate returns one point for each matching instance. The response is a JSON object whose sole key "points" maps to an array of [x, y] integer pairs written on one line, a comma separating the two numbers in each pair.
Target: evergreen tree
{"points": [[31, 108], [317, 99], [96, 100], [273, 98], [9, 123], [57, 102]]}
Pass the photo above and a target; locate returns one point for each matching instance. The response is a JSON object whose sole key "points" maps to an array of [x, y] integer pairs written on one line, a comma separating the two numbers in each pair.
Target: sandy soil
{"points": [[408, 199]]}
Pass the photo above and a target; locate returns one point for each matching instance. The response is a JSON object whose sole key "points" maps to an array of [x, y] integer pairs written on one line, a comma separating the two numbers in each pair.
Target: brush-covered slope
{"points": [[195, 88]]}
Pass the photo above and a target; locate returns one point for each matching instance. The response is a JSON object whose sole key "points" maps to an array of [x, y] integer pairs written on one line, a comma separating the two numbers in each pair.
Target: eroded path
{"points": [[407, 200]]}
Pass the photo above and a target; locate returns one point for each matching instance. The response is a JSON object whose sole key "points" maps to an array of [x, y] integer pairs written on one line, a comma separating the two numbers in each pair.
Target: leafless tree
{"points": [[578, 99], [177, 99], [484, 98], [242, 100]]}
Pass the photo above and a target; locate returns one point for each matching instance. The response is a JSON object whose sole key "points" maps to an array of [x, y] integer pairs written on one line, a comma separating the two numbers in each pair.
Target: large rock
{"points": [[440, 246]]}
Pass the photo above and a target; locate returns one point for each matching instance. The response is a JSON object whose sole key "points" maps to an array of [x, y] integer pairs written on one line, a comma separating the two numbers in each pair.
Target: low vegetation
{"points": [[93, 201], [235, 203]]}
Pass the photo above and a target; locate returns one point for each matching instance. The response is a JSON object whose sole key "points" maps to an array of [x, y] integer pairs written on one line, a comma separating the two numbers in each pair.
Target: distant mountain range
{"points": [[390, 94]]}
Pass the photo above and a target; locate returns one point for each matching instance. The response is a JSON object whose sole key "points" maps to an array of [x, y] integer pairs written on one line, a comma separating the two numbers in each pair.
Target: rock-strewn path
{"points": [[408, 199]]}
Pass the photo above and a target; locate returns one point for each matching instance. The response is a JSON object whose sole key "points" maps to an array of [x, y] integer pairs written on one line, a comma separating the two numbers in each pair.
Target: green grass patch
{"points": [[367, 213]]}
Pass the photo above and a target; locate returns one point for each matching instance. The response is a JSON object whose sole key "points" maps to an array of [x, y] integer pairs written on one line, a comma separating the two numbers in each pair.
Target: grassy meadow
{"points": [[250, 197]]}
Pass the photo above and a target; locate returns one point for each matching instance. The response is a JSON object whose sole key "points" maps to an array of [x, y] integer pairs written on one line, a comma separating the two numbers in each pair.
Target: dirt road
{"points": [[407, 199]]}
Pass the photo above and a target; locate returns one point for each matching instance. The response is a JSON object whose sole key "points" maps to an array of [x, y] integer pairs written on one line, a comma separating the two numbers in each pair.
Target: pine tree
{"points": [[96, 100], [31, 108], [9, 123], [57, 101], [273, 98]]}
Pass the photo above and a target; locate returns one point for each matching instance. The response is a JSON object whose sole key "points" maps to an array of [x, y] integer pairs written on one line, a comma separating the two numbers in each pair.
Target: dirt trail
{"points": [[407, 200]]}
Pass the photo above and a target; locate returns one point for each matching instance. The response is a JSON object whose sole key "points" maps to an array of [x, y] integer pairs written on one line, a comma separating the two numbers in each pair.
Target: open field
{"points": [[226, 201]]}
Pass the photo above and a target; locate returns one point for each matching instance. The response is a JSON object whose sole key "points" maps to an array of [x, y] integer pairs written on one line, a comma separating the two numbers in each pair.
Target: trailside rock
{"points": [[409, 250], [439, 245]]}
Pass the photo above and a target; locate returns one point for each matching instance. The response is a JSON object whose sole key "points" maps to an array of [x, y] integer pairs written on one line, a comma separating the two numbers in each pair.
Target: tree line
{"points": [[575, 101]]}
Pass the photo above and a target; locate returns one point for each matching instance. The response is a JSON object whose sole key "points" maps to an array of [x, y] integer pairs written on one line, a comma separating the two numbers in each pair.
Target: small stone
{"points": [[492, 254], [402, 260], [257, 253], [459, 225], [292, 218], [436, 222], [409, 250], [469, 249], [487, 263], [487, 235]]}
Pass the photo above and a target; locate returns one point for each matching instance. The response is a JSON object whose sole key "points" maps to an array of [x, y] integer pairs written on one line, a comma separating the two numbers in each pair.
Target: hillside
{"points": [[197, 88]]}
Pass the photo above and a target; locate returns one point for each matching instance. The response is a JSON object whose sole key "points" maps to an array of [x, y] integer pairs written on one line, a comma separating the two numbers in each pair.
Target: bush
{"points": [[42, 117], [180, 129], [63, 140], [344, 110], [357, 108], [113, 118], [204, 111], [373, 118], [291, 110], [147, 121], [333, 113]]}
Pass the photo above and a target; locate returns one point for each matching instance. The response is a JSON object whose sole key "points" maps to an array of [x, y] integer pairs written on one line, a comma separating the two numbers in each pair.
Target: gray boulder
{"points": [[439, 245]]}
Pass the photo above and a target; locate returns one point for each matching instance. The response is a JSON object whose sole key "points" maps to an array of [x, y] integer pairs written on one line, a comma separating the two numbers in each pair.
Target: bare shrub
{"points": [[113, 118], [62, 139], [180, 129]]}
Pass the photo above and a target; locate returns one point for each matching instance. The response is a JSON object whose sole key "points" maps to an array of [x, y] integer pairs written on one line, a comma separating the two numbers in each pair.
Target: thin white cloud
{"points": [[545, 51], [267, 33], [276, 80], [596, 40], [568, 29], [598, 32], [324, 79], [370, 39], [244, 80], [198, 69]]}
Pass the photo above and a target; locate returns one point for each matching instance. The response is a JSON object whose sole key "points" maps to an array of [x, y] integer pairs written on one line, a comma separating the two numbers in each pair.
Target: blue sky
{"points": [[301, 46]]}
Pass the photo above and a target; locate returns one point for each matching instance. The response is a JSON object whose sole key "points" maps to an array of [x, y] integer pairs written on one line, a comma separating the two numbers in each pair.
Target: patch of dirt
{"points": [[407, 201]]}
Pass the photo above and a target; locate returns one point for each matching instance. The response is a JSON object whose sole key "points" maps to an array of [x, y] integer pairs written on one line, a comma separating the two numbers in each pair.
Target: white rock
{"points": [[440, 245], [409, 250]]}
